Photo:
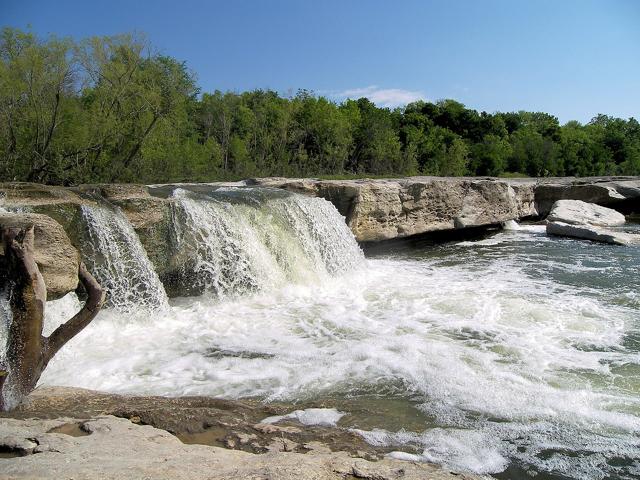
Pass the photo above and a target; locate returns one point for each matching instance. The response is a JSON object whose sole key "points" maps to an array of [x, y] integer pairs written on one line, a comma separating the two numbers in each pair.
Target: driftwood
{"points": [[28, 352]]}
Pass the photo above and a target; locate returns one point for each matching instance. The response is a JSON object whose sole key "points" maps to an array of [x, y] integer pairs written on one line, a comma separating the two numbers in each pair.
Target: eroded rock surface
{"points": [[108, 447], [386, 209], [375, 210], [621, 192], [56, 257], [150, 216], [118, 449]]}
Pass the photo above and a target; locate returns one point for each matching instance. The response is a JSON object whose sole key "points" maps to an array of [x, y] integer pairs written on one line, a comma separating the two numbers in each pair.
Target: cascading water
{"points": [[5, 321], [5, 315], [118, 260], [235, 241], [517, 355]]}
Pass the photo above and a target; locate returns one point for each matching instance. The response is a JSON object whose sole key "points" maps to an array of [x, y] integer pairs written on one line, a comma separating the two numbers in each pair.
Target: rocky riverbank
{"points": [[74, 433]]}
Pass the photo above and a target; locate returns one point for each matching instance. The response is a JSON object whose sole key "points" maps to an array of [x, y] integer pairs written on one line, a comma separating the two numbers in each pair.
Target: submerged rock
{"points": [[578, 219], [577, 212], [590, 232]]}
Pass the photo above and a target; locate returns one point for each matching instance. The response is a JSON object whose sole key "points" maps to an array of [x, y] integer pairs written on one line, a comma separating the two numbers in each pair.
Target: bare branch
{"points": [[80, 320], [28, 352]]}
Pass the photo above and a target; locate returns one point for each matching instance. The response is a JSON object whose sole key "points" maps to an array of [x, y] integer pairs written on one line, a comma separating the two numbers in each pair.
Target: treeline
{"points": [[109, 109]]}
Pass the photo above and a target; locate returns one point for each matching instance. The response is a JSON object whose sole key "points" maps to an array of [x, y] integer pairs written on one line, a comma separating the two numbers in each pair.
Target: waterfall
{"points": [[118, 260], [225, 241], [239, 240], [5, 321], [5, 310]]}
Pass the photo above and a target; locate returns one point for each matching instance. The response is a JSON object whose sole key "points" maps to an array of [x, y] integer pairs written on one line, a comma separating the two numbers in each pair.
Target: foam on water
{"points": [[511, 231], [516, 351], [522, 349], [5, 321], [310, 416]]}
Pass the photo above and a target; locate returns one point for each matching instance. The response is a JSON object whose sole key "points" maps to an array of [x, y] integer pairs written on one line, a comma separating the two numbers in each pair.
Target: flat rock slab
{"points": [[590, 232], [118, 449], [577, 212]]}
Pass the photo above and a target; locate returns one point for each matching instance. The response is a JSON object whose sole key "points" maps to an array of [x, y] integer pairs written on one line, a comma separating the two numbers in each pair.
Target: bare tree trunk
{"points": [[28, 351]]}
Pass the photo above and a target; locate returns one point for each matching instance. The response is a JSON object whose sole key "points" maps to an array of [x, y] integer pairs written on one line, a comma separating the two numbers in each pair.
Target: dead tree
{"points": [[28, 352]]}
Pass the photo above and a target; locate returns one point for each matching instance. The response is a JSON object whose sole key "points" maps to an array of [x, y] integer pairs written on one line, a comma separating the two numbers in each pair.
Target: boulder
{"points": [[59, 203], [623, 192], [27, 194], [374, 209], [577, 212], [590, 232], [149, 215], [56, 257]]}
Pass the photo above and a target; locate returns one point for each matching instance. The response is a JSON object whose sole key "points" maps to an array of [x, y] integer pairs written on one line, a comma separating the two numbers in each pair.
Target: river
{"points": [[514, 354]]}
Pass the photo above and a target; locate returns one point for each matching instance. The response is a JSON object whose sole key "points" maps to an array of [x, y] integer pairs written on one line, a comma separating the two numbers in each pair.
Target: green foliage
{"points": [[109, 109], [490, 156]]}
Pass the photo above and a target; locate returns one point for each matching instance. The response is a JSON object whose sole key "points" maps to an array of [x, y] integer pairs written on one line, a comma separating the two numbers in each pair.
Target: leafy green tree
{"points": [[37, 86], [377, 146], [110, 109], [322, 132], [457, 159], [490, 156]]}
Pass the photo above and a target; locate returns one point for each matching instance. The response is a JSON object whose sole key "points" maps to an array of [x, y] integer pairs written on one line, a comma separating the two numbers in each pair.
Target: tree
{"points": [[533, 154], [37, 79], [322, 132], [28, 352], [377, 146], [457, 159], [109, 109], [489, 157]]}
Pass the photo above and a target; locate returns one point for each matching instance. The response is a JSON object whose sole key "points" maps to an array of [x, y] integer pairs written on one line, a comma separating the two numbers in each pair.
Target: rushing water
{"points": [[119, 262], [514, 355], [238, 241]]}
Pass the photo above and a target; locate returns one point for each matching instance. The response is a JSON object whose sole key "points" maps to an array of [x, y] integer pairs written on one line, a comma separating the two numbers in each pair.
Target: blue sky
{"points": [[571, 58]]}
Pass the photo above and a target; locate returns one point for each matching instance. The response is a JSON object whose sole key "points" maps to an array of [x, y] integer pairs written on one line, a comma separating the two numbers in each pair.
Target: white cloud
{"points": [[382, 97]]}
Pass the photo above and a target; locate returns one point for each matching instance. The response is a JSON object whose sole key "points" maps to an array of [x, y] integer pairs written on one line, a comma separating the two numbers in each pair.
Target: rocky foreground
{"points": [[71, 433]]}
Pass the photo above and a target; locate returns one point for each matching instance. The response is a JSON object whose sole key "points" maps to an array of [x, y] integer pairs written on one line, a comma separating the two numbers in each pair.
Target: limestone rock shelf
{"points": [[64, 433], [394, 208], [375, 210]]}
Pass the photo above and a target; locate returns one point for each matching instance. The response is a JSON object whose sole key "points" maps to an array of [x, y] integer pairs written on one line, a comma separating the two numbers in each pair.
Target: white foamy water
{"points": [[511, 364], [310, 416], [524, 351], [119, 262], [234, 241], [5, 321]]}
